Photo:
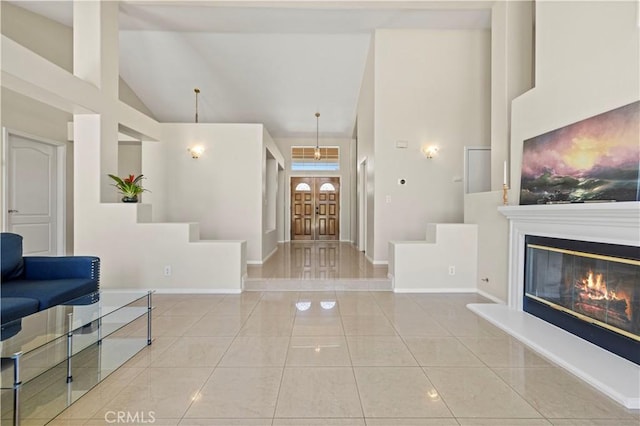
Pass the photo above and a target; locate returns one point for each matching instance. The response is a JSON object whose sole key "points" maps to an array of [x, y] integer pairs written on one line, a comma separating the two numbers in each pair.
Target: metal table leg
{"points": [[69, 347], [149, 318], [17, 382]]}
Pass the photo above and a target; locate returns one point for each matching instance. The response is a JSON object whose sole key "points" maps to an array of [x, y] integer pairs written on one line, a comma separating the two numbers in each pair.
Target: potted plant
{"points": [[130, 187]]}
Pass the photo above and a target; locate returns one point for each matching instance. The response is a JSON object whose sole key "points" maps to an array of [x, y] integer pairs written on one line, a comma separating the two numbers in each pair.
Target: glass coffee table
{"points": [[53, 357]]}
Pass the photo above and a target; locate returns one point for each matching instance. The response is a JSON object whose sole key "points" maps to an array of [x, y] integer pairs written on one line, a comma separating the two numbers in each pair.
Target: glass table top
{"points": [[37, 330]]}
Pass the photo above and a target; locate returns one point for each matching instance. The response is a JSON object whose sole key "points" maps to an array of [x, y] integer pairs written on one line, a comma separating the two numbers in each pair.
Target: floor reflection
{"points": [[317, 260]]}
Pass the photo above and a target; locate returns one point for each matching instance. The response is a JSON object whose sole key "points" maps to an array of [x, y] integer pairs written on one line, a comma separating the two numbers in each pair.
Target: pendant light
{"points": [[316, 151], [197, 92], [197, 150]]}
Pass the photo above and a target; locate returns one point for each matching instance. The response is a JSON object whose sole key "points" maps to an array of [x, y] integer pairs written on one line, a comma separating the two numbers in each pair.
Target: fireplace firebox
{"points": [[589, 289]]}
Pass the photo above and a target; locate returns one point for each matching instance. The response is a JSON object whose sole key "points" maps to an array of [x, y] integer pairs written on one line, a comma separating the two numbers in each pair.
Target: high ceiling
{"points": [[275, 63]]}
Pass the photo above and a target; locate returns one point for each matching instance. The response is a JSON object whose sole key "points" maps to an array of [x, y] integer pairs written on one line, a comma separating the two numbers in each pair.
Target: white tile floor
{"points": [[338, 358], [373, 358]]}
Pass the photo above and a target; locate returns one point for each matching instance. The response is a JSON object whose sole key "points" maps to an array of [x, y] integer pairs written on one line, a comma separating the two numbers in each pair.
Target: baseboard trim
{"points": [[254, 262], [198, 291], [376, 262], [270, 254], [435, 290], [491, 297]]}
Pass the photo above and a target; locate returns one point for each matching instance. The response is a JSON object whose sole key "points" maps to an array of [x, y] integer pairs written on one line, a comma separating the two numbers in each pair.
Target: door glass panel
{"points": [[327, 187], [303, 187]]}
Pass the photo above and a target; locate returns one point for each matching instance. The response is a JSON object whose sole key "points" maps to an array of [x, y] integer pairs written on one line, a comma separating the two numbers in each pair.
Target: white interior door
{"points": [[477, 169], [33, 194]]}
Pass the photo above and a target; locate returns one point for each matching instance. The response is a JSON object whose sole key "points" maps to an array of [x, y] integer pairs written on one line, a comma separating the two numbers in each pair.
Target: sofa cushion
{"points": [[11, 254], [50, 292], [12, 308]]}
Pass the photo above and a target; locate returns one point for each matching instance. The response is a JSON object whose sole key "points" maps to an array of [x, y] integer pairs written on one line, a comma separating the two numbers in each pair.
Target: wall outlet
{"points": [[452, 270], [167, 270]]}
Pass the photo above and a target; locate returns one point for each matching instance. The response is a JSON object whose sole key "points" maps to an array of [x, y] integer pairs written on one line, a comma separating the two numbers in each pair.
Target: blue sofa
{"points": [[34, 283]]}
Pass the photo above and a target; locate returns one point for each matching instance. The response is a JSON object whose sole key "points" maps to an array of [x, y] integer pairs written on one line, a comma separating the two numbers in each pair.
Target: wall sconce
{"points": [[430, 151], [196, 151]]}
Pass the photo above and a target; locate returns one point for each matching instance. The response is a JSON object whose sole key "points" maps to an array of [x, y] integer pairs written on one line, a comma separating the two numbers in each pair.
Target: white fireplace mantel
{"points": [[614, 223]]}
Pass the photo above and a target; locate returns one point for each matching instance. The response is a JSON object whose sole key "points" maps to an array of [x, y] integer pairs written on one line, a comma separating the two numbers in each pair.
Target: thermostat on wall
{"points": [[402, 144]]}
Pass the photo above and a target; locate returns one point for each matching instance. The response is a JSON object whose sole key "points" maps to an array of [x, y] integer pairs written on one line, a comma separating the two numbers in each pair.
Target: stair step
{"points": [[294, 284]]}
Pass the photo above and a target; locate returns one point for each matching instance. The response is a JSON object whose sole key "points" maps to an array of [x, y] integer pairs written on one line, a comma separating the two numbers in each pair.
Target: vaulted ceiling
{"points": [[275, 63]]}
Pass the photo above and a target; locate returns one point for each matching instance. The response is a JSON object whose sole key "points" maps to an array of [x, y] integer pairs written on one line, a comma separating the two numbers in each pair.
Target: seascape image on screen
{"points": [[593, 160]]}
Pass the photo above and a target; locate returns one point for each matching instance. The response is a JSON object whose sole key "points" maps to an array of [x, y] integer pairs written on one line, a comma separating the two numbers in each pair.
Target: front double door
{"points": [[315, 208]]}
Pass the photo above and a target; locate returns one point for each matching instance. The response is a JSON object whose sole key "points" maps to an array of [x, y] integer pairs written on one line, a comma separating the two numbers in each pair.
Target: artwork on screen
{"points": [[593, 160]]}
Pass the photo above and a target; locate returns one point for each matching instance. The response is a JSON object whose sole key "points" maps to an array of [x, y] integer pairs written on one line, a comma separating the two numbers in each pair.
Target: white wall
{"points": [[431, 87], [273, 160], [130, 159], [54, 42], [424, 266], [346, 208], [512, 74], [365, 129], [222, 190], [587, 63], [493, 242]]}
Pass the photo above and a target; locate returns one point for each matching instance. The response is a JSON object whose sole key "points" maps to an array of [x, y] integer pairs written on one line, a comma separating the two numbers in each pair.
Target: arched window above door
{"points": [[328, 187], [303, 187]]}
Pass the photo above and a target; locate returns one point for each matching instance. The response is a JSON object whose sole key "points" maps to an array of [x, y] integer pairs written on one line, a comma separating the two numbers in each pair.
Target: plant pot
{"points": [[133, 199]]}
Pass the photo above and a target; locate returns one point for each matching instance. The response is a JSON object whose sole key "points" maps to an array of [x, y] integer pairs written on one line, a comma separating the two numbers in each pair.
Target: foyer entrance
{"points": [[315, 208]]}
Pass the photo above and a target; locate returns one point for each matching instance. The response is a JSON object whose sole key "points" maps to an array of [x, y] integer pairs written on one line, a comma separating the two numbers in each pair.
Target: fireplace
{"points": [[590, 289]]}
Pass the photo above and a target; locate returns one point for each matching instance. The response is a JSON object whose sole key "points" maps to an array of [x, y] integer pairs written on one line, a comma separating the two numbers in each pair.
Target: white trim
{"points": [[361, 208], [254, 262], [491, 297], [435, 290], [376, 262], [243, 279], [620, 380], [180, 290], [269, 255], [61, 183]]}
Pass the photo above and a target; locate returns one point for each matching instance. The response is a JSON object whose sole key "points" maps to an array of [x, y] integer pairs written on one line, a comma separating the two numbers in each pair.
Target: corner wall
{"points": [[431, 87], [226, 180], [587, 63], [365, 135]]}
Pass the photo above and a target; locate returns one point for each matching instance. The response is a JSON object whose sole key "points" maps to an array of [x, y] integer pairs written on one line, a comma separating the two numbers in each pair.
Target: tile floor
{"points": [[308, 260], [338, 358]]}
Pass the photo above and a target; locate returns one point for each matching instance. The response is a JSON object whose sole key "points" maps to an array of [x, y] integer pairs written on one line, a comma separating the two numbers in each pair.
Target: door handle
{"points": [[13, 211]]}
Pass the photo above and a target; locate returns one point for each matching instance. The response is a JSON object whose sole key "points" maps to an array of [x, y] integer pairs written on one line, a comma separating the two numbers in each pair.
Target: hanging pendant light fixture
{"points": [[316, 152], [197, 150], [197, 93]]}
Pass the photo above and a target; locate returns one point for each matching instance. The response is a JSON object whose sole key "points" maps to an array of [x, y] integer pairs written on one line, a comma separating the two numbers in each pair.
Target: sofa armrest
{"points": [[55, 268]]}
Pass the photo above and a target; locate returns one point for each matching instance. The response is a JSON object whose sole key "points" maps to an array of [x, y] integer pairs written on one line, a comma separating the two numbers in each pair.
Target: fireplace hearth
{"points": [[589, 289], [615, 224]]}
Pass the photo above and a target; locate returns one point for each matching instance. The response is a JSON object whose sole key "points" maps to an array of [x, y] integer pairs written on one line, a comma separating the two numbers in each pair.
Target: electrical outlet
{"points": [[167, 270], [452, 270]]}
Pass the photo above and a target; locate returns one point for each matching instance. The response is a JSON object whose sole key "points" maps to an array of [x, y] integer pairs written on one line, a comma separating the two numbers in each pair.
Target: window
{"points": [[303, 187], [327, 187], [302, 158]]}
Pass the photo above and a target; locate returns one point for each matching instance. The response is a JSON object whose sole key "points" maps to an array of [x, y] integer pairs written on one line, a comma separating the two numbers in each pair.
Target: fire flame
{"points": [[598, 285], [596, 289]]}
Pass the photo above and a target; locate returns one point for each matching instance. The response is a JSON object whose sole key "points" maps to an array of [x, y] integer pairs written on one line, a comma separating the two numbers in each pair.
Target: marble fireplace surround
{"points": [[614, 223]]}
